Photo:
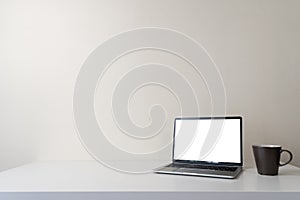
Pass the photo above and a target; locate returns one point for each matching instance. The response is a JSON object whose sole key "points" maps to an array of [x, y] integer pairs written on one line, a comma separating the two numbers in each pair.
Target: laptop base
{"points": [[171, 169]]}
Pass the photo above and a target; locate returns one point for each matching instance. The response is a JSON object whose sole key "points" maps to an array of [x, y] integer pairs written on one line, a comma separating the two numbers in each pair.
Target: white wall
{"points": [[43, 44]]}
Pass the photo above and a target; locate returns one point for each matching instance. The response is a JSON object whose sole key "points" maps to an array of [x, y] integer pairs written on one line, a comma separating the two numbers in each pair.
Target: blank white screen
{"points": [[226, 146]]}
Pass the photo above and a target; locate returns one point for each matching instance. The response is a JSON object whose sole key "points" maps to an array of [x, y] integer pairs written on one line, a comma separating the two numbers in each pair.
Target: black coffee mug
{"points": [[267, 158]]}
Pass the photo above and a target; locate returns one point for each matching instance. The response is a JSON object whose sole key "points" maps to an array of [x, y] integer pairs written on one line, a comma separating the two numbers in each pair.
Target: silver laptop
{"points": [[206, 146]]}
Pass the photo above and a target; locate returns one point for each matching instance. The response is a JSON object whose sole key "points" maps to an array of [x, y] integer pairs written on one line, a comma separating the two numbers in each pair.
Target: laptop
{"points": [[206, 146]]}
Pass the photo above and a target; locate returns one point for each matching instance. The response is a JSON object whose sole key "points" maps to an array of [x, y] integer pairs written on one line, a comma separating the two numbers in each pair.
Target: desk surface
{"points": [[90, 176]]}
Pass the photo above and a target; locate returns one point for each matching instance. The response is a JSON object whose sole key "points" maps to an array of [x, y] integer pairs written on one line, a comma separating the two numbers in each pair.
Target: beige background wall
{"points": [[43, 44]]}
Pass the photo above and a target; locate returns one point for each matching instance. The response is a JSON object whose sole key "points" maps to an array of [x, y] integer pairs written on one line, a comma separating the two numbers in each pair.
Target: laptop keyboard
{"points": [[209, 167]]}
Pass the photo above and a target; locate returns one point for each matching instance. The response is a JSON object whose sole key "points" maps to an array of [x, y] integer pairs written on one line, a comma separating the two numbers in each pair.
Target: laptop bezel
{"points": [[206, 162]]}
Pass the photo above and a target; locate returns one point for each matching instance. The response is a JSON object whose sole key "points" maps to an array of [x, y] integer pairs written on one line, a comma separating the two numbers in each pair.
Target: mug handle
{"points": [[291, 157]]}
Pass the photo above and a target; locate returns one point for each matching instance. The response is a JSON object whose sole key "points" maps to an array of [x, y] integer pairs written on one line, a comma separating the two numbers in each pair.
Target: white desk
{"points": [[90, 176]]}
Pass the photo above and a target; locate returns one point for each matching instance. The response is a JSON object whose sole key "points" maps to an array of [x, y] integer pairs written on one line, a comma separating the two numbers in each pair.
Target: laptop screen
{"points": [[213, 140]]}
